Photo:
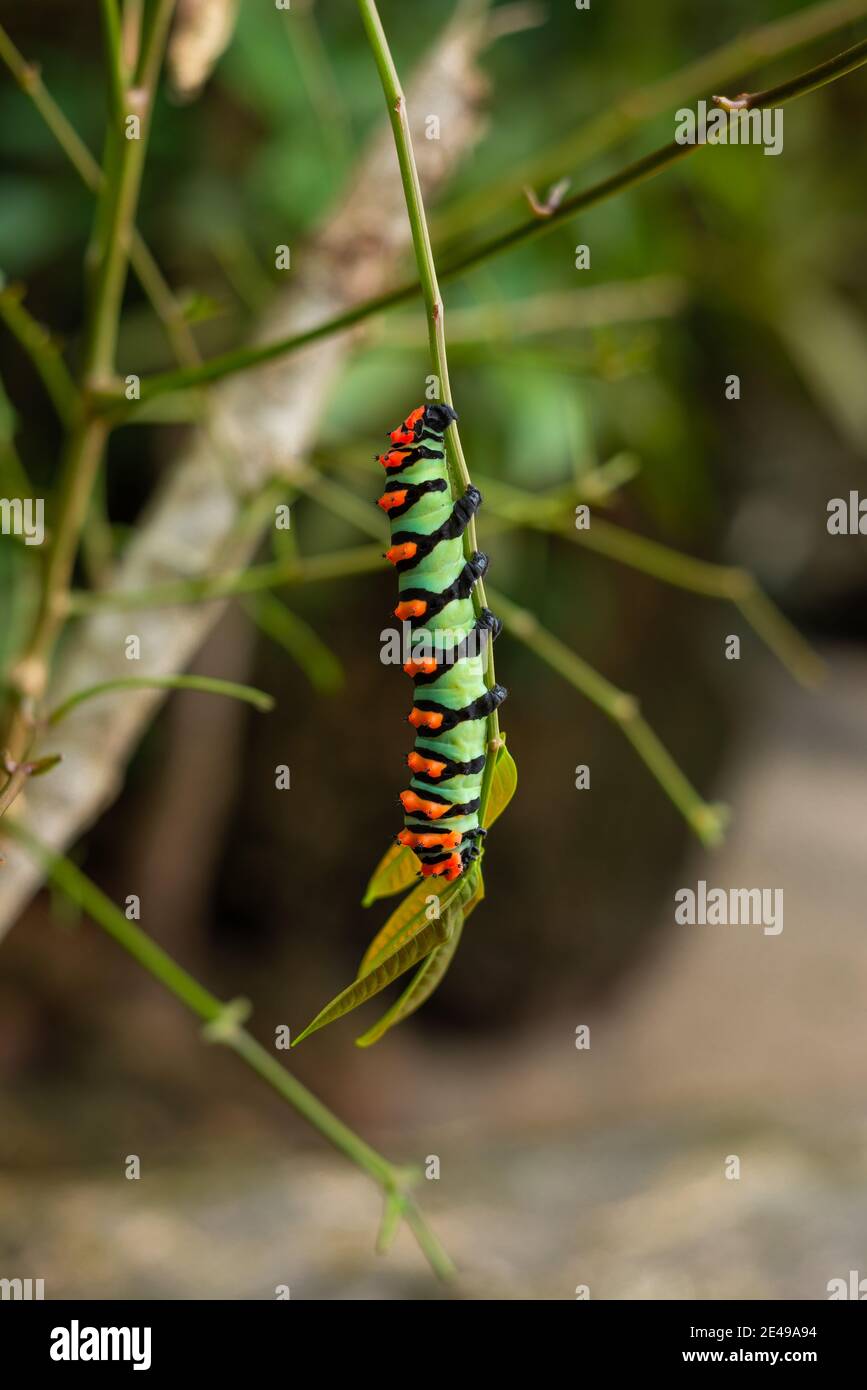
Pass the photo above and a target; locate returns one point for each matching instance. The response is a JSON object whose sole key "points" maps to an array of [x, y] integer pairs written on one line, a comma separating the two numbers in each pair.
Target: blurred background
{"points": [[559, 1166]]}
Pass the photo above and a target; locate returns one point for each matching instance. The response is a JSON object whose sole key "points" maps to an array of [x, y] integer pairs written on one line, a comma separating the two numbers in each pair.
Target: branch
{"points": [[243, 359], [341, 564], [706, 820], [208, 684], [222, 1022], [617, 122], [397, 114], [43, 351], [86, 444], [149, 274], [727, 582]]}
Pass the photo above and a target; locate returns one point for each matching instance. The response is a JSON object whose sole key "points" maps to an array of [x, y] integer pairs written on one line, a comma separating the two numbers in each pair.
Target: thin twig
{"points": [[342, 564], [397, 114], [210, 685], [617, 122], [13, 786], [143, 263], [727, 582], [43, 351], [86, 444], [706, 820], [243, 359], [222, 1024]]}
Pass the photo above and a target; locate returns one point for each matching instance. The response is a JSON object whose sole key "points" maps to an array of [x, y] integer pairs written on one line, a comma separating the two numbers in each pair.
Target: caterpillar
{"points": [[447, 644]]}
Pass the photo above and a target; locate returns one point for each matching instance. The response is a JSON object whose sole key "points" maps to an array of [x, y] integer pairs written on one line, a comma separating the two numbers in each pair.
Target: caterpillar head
{"points": [[434, 418], [439, 417]]}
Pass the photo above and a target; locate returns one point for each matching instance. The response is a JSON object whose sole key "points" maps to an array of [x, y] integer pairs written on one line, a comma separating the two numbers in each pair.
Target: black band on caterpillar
{"points": [[409, 548], [433, 604], [400, 460], [469, 645], [414, 805], [468, 850], [431, 710], [431, 856], [400, 497], [428, 768]]}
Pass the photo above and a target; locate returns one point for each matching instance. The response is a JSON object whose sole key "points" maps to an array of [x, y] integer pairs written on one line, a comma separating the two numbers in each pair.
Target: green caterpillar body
{"points": [[447, 644]]}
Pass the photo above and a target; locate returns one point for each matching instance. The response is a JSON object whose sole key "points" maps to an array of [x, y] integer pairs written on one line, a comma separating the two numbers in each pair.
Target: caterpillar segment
{"points": [[447, 644]]}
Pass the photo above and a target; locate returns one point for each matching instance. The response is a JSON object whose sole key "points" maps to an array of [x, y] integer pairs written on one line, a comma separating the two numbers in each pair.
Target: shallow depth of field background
{"points": [[559, 1167]]}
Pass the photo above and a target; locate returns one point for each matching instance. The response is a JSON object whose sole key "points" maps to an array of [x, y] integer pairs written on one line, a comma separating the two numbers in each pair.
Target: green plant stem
{"points": [[243, 359], [222, 1024], [727, 582], [14, 785], [706, 820], [86, 444], [714, 581], [548, 313], [208, 684], [29, 675], [343, 503], [43, 352], [296, 637], [29, 80], [654, 163], [293, 570], [397, 114], [150, 277], [131, 26], [122, 201], [116, 68], [616, 123]]}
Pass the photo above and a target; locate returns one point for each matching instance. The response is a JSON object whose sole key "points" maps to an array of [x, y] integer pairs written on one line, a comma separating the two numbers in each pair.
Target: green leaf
{"points": [[406, 938], [426, 979], [396, 870], [199, 307], [503, 784], [407, 918], [422, 984], [366, 986], [295, 636], [210, 684], [39, 766]]}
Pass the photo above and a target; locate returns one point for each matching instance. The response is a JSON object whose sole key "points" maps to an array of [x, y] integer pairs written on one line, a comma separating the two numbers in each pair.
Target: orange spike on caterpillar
{"points": [[414, 804], [425, 666], [410, 608], [431, 766], [405, 551], [392, 499], [450, 868], [405, 433], [446, 839], [425, 719]]}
